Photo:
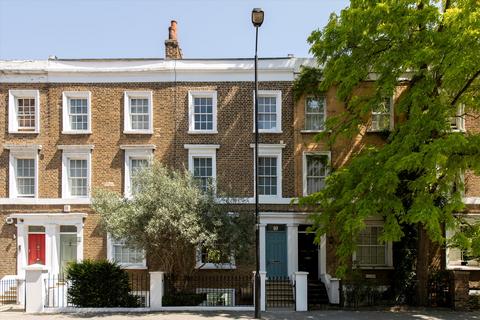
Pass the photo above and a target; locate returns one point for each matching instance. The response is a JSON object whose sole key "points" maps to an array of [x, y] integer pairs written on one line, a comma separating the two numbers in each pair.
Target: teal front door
{"points": [[276, 251]]}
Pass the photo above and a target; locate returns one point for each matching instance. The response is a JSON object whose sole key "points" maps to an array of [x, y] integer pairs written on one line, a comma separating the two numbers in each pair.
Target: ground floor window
{"points": [[370, 250], [125, 254]]}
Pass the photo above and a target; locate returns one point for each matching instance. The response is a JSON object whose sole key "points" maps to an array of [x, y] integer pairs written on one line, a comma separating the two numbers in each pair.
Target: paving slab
{"points": [[421, 314]]}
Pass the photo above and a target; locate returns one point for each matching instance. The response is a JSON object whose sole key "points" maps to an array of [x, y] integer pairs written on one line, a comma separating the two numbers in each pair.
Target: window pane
{"points": [[26, 113], [381, 116], [78, 113], [267, 113], [25, 177], [267, 176], [124, 254], [316, 172], [68, 229], [369, 250], [139, 114], [203, 171], [78, 177], [203, 113], [315, 114]]}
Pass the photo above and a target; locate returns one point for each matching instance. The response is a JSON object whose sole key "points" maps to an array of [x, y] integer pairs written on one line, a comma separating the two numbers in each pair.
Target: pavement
{"points": [[420, 314]]}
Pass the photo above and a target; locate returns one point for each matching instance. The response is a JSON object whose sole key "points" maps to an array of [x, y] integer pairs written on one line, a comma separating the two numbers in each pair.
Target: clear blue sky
{"points": [[35, 29]]}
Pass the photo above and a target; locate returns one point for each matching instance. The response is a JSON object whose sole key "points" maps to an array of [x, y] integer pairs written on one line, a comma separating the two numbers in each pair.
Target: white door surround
{"points": [[292, 221], [52, 223]]}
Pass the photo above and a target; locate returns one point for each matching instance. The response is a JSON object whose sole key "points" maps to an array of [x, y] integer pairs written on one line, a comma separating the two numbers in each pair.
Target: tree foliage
{"points": [[431, 50], [171, 217]]}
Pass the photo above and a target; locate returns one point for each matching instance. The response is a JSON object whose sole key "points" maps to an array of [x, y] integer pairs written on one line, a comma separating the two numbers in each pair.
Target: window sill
{"points": [[215, 266], [466, 268], [459, 130], [202, 132], [133, 266], [379, 131], [76, 132], [268, 131], [138, 131], [24, 132], [375, 267], [311, 131]]}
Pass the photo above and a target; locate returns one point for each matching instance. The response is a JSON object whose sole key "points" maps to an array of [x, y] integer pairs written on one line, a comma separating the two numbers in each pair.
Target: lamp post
{"points": [[257, 20]]}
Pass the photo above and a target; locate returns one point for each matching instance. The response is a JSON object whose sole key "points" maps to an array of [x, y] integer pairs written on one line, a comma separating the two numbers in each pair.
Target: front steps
{"points": [[279, 293], [317, 295]]}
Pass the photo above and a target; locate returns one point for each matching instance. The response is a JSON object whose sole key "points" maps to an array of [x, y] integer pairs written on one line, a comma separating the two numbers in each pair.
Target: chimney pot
{"points": [[172, 30]]}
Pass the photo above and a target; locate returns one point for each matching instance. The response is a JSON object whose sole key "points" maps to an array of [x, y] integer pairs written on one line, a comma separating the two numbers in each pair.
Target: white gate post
{"points": [[301, 291], [156, 290], [34, 286], [263, 294]]}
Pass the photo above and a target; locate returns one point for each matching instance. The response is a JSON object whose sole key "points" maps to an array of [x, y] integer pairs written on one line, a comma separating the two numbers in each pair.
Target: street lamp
{"points": [[257, 20]]}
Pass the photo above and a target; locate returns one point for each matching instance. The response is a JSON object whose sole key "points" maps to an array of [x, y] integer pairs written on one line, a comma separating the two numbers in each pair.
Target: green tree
{"points": [[170, 216], [432, 50]]}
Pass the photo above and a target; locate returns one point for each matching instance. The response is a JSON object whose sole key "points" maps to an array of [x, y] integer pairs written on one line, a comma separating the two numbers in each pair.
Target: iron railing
{"points": [[57, 290], [208, 290], [439, 289], [280, 292], [9, 291]]}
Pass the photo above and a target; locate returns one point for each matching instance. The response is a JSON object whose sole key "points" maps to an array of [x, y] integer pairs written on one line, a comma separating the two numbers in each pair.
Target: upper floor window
{"points": [[76, 112], [457, 122], [202, 111], [24, 111], [202, 164], [315, 171], [23, 177], [136, 158], [370, 251], [315, 114], [382, 116], [138, 117], [76, 171], [269, 170], [269, 111], [204, 260]]}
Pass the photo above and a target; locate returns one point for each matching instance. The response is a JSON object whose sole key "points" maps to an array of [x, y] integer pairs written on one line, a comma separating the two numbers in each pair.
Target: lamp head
{"points": [[257, 17]]}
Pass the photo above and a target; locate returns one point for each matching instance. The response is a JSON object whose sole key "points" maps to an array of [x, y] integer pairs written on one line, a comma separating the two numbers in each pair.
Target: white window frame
{"points": [[12, 110], [206, 151], [21, 152], [66, 96], [459, 119], [127, 125], [270, 93], [270, 150], [322, 97], [199, 264], [75, 152], [388, 253], [110, 256], [391, 119], [304, 165], [192, 94], [457, 264], [140, 152]]}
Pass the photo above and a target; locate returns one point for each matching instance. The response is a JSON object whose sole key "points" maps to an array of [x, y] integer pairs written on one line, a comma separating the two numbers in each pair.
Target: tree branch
{"points": [[465, 87]]}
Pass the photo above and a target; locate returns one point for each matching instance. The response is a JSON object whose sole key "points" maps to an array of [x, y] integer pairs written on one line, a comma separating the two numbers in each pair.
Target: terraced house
{"points": [[70, 126]]}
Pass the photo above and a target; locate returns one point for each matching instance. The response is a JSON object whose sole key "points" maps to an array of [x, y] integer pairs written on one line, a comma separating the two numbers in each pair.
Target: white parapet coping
{"points": [[144, 310]]}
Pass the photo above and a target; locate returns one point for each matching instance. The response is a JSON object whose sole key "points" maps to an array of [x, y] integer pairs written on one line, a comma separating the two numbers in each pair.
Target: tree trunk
{"points": [[422, 268]]}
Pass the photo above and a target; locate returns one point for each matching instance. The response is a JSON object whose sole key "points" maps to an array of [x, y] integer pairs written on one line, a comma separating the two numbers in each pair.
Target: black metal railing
{"points": [[9, 289], [439, 289], [280, 292], [57, 290], [208, 290]]}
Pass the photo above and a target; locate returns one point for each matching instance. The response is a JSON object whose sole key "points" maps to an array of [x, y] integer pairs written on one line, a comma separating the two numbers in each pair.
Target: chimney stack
{"points": [[172, 49]]}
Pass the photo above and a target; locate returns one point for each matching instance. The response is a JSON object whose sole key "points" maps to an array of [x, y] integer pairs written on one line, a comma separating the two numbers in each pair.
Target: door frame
{"points": [[292, 220], [51, 222]]}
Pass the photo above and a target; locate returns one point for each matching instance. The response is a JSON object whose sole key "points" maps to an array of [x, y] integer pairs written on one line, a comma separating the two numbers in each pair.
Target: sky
{"points": [[37, 29]]}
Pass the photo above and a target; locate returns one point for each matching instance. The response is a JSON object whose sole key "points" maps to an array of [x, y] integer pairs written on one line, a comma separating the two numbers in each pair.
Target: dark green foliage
{"points": [[404, 259], [184, 299], [99, 284], [416, 177]]}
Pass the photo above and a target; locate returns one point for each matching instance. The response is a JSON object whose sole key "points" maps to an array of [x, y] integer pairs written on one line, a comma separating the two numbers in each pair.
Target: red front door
{"points": [[36, 248]]}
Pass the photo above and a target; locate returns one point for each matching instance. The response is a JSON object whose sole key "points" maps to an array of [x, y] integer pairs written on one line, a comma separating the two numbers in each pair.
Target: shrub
{"points": [[99, 284]]}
